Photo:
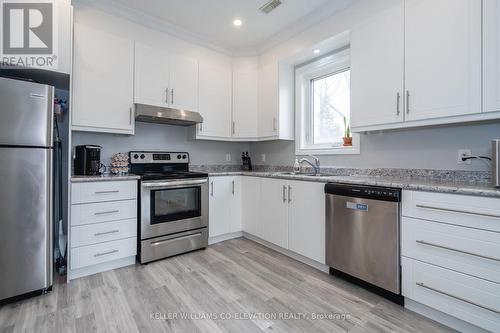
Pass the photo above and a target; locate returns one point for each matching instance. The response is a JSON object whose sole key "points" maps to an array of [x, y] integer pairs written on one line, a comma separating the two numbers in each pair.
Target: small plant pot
{"points": [[347, 141]]}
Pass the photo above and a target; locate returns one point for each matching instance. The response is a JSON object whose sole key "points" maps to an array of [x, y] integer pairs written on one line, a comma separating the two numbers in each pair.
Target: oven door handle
{"points": [[174, 183]]}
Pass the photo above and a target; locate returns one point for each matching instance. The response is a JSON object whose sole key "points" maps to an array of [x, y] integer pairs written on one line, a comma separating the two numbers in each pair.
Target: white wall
{"points": [[163, 137]]}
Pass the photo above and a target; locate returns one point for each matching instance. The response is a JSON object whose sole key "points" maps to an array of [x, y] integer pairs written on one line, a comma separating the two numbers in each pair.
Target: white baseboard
{"points": [[225, 237], [105, 266], [441, 317], [313, 263]]}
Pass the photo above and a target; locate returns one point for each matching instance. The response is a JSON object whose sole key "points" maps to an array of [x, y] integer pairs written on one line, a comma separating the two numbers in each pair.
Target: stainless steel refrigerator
{"points": [[26, 195]]}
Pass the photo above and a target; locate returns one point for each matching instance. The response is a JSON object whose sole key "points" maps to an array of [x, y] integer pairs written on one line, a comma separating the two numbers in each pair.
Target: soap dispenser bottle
{"points": [[296, 165]]}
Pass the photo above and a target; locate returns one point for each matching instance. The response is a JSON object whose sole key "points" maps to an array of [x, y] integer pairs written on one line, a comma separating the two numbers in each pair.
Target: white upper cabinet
{"points": [[183, 83], [443, 58], [151, 76], [268, 101], [65, 24], [245, 102], [377, 53], [103, 83], [215, 83], [165, 79], [491, 55]]}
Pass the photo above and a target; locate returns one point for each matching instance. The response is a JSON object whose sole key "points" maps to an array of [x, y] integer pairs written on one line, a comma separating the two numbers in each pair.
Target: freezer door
{"points": [[25, 220], [26, 113]]}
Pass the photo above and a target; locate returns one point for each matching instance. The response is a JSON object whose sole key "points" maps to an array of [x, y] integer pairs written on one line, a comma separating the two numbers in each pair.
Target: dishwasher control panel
{"points": [[366, 192]]}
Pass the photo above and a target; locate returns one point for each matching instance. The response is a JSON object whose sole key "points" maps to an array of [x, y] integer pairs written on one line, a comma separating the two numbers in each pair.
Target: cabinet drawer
{"points": [[103, 191], [476, 212], [471, 299], [467, 250], [103, 232], [103, 252], [103, 212]]}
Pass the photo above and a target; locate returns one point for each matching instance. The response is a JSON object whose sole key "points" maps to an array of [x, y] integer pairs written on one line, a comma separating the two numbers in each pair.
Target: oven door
{"points": [[173, 206]]}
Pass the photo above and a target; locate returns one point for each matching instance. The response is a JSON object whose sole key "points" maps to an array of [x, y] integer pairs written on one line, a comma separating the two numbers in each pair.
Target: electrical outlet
{"points": [[464, 153], [263, 157], [228, 157]]}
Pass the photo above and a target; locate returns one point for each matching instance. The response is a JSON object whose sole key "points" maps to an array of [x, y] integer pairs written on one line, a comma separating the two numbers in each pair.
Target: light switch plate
{"points": [[228, 157]]}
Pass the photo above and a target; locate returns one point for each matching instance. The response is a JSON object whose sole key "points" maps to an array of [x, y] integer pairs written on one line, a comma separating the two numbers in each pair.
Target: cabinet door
{"points": [[268, 101], [491, 55], [245, 103], [443, 58], [103, 81], [151, 75], [250, 198], [219, 210], [273, 212], [215, 101], [235, 204], [306, 219], [377, 55], [183, 83]]}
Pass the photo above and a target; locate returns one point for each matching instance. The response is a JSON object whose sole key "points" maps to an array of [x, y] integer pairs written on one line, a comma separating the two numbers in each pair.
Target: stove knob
{"points": [[179, 156], [184, 156], [142, 156], [136, 156]]}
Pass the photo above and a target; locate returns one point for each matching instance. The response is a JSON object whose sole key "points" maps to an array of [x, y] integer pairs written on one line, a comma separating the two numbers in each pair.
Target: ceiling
{"points": [[212, 20]]}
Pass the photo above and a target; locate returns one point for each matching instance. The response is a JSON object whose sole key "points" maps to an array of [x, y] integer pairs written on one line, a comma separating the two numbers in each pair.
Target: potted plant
{"points": [[347, 133]]}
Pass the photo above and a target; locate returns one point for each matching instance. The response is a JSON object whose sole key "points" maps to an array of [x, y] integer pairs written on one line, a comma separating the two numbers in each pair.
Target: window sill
{"points": [[354, 150]]}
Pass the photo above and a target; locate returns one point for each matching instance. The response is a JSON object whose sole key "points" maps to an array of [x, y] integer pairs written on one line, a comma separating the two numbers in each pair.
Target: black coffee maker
{"points": [[87, 160]]}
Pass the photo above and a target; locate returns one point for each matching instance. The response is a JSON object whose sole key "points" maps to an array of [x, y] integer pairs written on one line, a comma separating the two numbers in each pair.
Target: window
{"points": [[323, 106]]}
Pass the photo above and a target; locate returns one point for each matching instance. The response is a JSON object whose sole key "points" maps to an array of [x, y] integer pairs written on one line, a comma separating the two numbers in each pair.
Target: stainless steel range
{"points": [[173, 208]]}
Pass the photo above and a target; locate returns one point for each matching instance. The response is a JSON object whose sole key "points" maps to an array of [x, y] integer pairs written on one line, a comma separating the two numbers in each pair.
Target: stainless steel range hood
{"points": [[164, 115]]}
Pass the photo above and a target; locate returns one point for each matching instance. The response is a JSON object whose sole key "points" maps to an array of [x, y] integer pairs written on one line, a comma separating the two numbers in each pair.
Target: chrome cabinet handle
{"points": [[289, 194], [130, 116], [105, 253], [233, 128], [458, 211], [398, 100], [212, 190], [407, 101], [172, 96], [166, 96], [284, 193], [106, 192], [106, 233], [107, 212], [456, 250], [421, 284], [201, 127], [275, 126], [233, 187]]}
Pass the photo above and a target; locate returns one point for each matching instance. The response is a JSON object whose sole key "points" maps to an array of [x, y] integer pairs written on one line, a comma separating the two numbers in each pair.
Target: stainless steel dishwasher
{"points": [[363, 236]]}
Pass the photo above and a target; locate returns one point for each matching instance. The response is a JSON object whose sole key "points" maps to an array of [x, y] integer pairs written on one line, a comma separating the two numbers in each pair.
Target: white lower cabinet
{"points": [[286, 213], [224, 205], [451, 255], [306, 219], [103, 232]]}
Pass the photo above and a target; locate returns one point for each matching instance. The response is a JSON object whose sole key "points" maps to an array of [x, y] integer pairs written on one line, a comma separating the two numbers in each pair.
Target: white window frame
{"points": [[328, 65]]}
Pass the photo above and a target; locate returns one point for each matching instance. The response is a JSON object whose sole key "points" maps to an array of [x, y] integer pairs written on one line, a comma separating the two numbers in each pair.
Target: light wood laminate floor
{"points": [[234, 286]]}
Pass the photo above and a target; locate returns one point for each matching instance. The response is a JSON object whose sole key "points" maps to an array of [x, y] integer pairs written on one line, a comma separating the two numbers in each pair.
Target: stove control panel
{"points": [[158, 157]]}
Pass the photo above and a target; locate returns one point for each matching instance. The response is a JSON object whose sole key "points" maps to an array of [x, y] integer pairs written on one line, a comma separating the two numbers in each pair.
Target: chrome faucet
{"points": [[314, 165]]}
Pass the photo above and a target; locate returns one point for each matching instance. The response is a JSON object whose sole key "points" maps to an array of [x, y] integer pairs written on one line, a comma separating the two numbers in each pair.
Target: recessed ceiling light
{"points": [[316, 51], [237, 22]]}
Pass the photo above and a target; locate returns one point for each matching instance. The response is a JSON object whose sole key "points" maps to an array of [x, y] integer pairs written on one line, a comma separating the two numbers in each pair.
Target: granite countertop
{"points": [[104, 177], [416, 184]]}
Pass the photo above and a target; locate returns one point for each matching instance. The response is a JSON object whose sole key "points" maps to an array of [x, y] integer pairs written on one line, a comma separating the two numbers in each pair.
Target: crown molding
{"points": [[136, 16], [141, 18]]}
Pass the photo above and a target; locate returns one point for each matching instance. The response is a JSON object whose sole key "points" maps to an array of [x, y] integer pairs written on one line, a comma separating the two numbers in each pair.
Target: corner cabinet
{"points": [[441, 53], [103, 82], [491, 55]]}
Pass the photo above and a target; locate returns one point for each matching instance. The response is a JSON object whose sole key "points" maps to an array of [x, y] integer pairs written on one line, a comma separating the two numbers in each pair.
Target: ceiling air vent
{"points": [[270, 6]]}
